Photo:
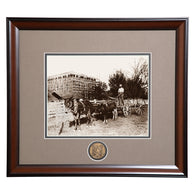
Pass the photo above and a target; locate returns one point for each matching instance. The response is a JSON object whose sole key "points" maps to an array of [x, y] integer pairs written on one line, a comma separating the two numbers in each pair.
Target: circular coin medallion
{"points": [[97, 150]]}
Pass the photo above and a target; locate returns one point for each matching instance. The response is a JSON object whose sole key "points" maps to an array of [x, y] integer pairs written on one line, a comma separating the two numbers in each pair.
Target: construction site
{"points": [[71, 83]]}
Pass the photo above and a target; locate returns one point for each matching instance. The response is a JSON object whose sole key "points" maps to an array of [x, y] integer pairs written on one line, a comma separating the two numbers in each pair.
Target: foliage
{"points": [[100, 91], [115, 80], [135, 87]]}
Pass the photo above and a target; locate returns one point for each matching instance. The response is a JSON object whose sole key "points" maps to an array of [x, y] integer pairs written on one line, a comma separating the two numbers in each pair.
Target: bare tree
{"points": [[136, 86], [141, 75]]}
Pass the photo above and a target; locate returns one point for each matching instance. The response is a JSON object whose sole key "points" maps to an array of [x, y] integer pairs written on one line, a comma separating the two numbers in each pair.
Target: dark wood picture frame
{"points": [[14, 25]]}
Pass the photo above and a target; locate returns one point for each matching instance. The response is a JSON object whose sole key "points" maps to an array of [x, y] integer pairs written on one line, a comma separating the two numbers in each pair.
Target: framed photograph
{"points": [[97, 97], [88, 101]]}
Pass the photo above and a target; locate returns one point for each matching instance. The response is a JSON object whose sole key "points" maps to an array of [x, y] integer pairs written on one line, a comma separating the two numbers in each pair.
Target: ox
{"points": [[107, 109], [81, 107]]}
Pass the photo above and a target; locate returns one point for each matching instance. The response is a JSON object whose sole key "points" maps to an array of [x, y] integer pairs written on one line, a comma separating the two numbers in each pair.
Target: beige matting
{"points": [[159, 149]]}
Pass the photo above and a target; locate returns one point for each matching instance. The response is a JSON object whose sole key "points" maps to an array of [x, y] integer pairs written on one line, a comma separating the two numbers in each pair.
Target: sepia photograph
{"points": [[97, 95]]}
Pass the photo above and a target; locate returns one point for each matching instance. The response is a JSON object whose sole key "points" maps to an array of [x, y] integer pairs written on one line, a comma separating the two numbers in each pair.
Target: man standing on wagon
{"points": [[121, 95]]}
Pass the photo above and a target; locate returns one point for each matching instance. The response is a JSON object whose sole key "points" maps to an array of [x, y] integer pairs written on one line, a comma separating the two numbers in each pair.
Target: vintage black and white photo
{"points": [[97, 95]]}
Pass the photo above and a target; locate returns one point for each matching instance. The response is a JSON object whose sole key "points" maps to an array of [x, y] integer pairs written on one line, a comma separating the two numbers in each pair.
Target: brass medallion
{"points": [[97, 150]]}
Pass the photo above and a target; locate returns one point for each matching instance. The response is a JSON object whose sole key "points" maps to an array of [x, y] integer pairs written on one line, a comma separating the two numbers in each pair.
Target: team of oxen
{"points": [[92, 110]]}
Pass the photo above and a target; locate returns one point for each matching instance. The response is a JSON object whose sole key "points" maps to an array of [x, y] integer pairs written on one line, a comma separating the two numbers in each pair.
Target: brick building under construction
{"points": [[71, 83]]}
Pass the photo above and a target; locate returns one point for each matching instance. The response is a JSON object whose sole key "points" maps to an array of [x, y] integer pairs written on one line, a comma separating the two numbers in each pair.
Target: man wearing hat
{"points": [[121, 95]]}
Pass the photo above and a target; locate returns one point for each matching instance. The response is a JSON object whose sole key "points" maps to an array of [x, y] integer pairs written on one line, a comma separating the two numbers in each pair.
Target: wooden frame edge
{"points": [[13, 167]]}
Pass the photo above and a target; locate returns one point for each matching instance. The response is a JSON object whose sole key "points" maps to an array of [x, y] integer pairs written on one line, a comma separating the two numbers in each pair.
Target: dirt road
{"points": [[132, 125]]}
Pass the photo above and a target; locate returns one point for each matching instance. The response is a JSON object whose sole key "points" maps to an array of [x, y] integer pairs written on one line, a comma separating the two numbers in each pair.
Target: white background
{"points": [[96, 185]]}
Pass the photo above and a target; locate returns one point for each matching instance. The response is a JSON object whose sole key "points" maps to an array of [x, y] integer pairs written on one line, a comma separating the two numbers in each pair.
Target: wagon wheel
{"points": [[139, 110]]}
